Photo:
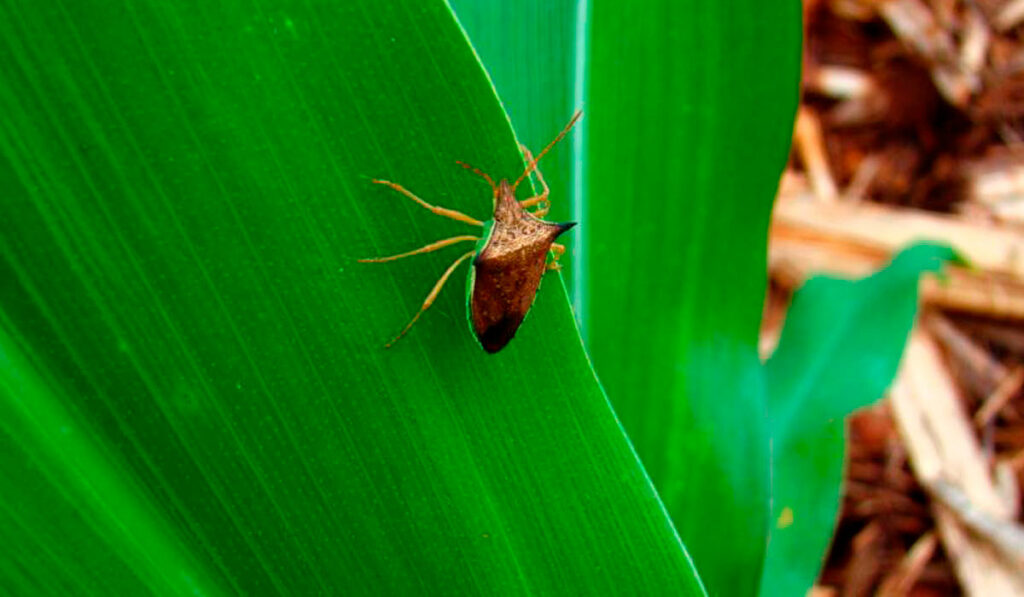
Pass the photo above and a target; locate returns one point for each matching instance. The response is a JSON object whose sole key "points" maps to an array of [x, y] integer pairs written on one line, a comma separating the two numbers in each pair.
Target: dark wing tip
{"points": [[497, 336]]}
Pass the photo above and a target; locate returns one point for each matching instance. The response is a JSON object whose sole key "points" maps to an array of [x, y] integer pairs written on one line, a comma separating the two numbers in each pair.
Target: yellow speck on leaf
{"points": [[785, 518]]}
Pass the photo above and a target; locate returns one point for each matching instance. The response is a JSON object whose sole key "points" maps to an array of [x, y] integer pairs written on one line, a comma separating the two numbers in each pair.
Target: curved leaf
{"points": [[839, 350]]}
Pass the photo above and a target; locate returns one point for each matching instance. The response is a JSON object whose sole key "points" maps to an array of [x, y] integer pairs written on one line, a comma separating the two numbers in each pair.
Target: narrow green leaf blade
{"points": [[531, 50], [188, 185], [839, 350], [689, 114]]}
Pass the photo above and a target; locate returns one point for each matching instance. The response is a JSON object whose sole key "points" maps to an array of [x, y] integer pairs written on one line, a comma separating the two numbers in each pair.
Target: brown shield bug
{"points": [[509, 259]]}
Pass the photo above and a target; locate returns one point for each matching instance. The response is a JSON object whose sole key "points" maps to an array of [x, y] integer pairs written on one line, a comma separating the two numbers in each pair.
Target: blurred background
{"points": [[911, 125]]}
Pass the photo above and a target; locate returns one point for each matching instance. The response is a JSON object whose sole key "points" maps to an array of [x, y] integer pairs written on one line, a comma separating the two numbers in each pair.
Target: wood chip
{"points": [[1008, 388], [974, 365], [980, 293], [840, 82], [943, 449], [887, 228], [1010, 16], [810, 146], [976, 40], [852, 240], [866, 560], [1005, 535], [899, 582], [914, 23], [996, 181]]}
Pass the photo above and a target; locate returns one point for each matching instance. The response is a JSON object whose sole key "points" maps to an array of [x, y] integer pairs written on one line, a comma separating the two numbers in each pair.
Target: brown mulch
{"points": [[913, 114]]}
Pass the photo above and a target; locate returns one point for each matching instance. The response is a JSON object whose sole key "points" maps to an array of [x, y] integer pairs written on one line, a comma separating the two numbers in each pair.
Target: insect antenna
{"points": [[533, 163], [480, 172]]}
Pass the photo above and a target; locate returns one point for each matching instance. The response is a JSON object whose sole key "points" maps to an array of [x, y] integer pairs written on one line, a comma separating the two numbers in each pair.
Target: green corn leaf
{"points": [[839, 350], [194, 394], [689, 113]]}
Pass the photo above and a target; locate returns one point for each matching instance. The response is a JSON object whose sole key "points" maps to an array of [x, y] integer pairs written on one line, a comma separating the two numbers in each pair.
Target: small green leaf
{"points": [[839, 350]]}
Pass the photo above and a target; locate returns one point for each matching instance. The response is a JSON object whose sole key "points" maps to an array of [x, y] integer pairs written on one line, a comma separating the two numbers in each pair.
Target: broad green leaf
{"points": [[195, 397], [689, 113], [839, 350]]}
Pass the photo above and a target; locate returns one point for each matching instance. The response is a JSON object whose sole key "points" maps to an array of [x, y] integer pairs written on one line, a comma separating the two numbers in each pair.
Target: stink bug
{"points": [[509, 259]]}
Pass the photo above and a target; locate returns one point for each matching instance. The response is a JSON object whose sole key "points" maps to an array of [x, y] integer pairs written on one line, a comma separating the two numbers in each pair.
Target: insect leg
{"points": [[539, 199], [433, 295], [431, 247], [557, 251], [441, 211]]}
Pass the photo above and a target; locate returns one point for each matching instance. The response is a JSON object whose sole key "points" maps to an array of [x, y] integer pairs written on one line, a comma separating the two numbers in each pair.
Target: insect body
{"points": [[510, 256]]}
